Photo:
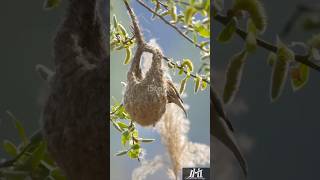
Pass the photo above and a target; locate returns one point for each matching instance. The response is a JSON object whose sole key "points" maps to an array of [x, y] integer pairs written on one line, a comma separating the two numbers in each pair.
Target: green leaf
{"points": [[204, 85], [121, 153], [122, 30], [227, 33], [271, 59], [116, 126], [280, 70], [256, 11], [188, 14], [234, 75], [183, 85], [57, 174], [20, 128], [9, 174], [122, 125], [125, 137], [135, 134], [50, 4], [187, 63], [144, 140], [128, 56], [34, 158], [10, 148], [251, 39], [173, 12], [135, 146], [198, 81], [202, 30], [115, 22], [195, 38], [299, 76], [134, 151]]}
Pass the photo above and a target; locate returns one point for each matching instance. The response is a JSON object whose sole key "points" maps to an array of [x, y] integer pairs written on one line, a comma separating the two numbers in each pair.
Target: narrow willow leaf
{"points": [[195, 38], [234, 74], [125, 138], [135, 134], [122, 30], [198, 81], [14, 174], [20, 128], [146, 140], [299, 76], [38, 155], [122, 125], [280, 70], [251, 39], [10, 148], [187, 63], [121, 153], [183, 85], [271, 59], [256, 11], [202, 30], [128, 56], [227, 33], [116, 126], [188, 15], [279, 75], [173, 12], [115, 22], [50, 4]]}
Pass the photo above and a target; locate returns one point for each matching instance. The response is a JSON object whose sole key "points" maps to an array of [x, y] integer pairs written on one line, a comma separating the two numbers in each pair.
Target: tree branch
{"points": [[266, 45], [171, 25], [180, 67]]}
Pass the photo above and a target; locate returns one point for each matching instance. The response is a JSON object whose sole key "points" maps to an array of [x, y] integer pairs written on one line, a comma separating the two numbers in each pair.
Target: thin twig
{"points": [[12, 161], [180, 67], [171, 25], [266, 45]]}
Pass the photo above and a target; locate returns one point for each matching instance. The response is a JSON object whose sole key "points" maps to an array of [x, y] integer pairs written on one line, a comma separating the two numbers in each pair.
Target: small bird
{"points": [[222, 129], [146, 97]]}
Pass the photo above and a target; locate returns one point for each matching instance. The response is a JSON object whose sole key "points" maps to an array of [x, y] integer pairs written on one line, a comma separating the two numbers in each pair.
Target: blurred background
{"points": [[172, 45], [26, 36], [280, 140]]}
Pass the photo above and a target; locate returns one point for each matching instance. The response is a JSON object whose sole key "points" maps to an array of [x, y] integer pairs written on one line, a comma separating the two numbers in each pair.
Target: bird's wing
{"points": [[174, 97], [221, 129]]}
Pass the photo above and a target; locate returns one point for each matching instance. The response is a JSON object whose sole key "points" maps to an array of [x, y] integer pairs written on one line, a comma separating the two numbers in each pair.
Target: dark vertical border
{"points": [[211, 79], [106, 20]]}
